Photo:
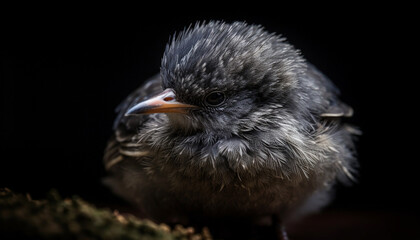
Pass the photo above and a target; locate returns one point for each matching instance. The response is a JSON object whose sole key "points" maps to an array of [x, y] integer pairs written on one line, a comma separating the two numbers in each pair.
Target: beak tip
{"points": [[162, 103], [131, 111]]}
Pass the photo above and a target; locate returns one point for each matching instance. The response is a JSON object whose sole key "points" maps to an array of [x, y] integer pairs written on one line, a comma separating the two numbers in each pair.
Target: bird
{"points": [[236, 125]]}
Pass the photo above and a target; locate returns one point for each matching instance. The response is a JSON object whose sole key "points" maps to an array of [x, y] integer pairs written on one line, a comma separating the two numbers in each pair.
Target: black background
{"points": [[62, 75]]}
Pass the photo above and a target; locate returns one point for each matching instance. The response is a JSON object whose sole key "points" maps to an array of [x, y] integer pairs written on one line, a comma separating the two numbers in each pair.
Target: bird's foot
{"points": [[280, 229], [281, 232]]}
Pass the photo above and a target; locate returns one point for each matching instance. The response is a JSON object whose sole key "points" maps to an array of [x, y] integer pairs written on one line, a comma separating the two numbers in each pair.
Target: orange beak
{"points": [[164, 102]]}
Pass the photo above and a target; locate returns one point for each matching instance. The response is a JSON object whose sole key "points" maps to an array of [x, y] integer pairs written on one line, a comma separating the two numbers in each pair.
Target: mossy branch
{"points": [[21, 217]]}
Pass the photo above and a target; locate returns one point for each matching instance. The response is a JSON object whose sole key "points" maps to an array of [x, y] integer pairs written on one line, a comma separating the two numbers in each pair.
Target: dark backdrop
{"points": [[62, 75]]}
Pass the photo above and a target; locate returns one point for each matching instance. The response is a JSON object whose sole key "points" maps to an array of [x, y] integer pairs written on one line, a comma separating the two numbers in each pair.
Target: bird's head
{"points": [[220, 77]]}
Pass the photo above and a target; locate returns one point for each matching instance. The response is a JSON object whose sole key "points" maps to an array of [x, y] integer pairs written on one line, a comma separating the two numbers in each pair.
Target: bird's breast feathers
{"points": [[276, 153]]}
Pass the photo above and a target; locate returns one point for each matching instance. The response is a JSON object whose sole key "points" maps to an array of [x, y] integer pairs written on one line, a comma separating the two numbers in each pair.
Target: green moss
{"points": [[55, 218]]}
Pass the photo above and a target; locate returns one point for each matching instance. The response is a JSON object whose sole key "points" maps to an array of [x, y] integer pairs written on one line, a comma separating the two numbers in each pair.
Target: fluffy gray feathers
{"points": [[215, 54], [276, 141]]}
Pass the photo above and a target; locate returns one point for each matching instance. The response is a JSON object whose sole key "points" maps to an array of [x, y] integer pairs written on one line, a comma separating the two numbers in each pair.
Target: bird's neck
{"points": [[181, 123], [185, 125]]}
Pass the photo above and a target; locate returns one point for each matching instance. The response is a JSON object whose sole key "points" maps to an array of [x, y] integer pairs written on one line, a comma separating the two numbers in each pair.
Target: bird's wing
{"points": [[334, 107], [124, 142]]}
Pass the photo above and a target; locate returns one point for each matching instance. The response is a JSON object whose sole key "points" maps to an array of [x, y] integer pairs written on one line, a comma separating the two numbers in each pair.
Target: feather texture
{"points": [[276, 144]]}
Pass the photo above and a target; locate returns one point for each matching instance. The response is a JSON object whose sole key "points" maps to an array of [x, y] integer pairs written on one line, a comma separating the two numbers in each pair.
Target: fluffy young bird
{"points": [[236, 125]]}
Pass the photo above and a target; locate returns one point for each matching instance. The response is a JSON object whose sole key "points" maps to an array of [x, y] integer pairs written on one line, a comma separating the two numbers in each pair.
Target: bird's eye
{"points": [[215, 98]]}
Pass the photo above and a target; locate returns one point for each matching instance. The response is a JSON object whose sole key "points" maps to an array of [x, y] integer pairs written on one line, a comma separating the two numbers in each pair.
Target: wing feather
{"points": [[334, 106], [124, 142]]}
